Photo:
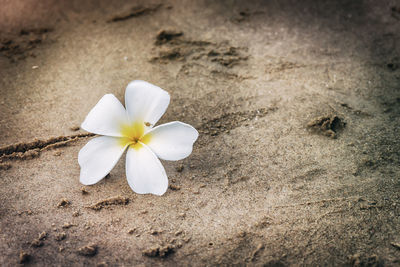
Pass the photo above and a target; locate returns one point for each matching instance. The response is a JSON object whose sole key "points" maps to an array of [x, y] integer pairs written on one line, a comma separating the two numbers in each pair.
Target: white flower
{"points": [[133, 129]]}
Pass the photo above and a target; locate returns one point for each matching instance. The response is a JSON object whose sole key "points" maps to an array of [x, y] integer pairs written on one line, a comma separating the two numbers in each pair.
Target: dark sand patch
{"points": [[159, 251], [20, 46], [32, 149], [135, 11], [24, 257], [112, 201], [174, 47]]}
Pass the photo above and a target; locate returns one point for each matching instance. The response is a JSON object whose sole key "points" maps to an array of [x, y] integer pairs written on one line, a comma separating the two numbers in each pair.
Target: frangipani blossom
{"points": [[132, 129]]}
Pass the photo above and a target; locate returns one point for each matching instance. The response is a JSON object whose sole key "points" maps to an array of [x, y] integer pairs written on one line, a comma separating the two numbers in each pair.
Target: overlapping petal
{"points": [[145, 172], [98, 157], [106, 117], [173, 140], [145, 102]]}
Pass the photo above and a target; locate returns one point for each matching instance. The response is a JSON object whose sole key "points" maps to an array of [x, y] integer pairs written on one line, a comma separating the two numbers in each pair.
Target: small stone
{"points": [[63, 203], [242, 234], [37, 243], [61, 236], [35, 67], [5, 166], [42, 236], [178, 232], [88, 251], [179, 244], [396, 245], [179, 168], [84, 191], [67, 225], [174, 187], [196, 191], [155, 232]]}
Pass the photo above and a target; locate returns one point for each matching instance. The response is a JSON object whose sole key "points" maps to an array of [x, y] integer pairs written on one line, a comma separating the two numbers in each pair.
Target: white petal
{"points": [[144, 172], [106, 117], [173, 140], [98, 157], [145, 102]]}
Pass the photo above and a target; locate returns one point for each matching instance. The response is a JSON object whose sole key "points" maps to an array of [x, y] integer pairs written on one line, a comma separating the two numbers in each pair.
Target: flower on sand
{"points": [[132, 129]]}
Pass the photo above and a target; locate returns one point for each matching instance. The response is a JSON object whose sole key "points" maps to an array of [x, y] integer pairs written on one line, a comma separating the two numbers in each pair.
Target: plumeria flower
{"points": [[132, 129]]}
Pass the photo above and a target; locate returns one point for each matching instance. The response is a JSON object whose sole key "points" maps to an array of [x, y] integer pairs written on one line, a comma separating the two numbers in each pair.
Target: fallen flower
{"points": [[132, 129]]}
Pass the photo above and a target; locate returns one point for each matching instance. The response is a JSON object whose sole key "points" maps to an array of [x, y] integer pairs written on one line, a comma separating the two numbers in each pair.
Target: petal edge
{"points": [[173, 140], [144, 172], [106, 117], [145, 102], [98, 157]]}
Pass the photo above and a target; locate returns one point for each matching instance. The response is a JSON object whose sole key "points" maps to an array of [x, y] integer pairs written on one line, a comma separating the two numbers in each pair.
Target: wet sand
{"points": [[297, 104]]}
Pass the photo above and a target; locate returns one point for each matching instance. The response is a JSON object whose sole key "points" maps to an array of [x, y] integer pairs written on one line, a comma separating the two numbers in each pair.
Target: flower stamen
{"points": [[134, 134]]}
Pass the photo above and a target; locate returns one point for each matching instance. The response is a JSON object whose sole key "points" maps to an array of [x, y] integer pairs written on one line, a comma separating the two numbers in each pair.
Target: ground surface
{"points": [[297, 104]]}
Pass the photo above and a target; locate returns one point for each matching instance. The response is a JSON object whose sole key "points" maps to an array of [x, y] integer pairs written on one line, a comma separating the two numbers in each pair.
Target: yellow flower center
{"points": [[134, 135]]}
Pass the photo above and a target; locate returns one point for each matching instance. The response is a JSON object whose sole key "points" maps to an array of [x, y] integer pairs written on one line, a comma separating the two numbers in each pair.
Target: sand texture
{"points": [[298, 108]]}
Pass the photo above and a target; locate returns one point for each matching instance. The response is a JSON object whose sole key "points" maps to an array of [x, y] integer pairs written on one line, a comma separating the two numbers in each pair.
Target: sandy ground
{"points": [[297, 104]]}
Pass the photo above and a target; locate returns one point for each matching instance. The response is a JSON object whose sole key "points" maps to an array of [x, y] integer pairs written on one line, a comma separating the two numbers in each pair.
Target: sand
{"points": [[297, 104]]}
